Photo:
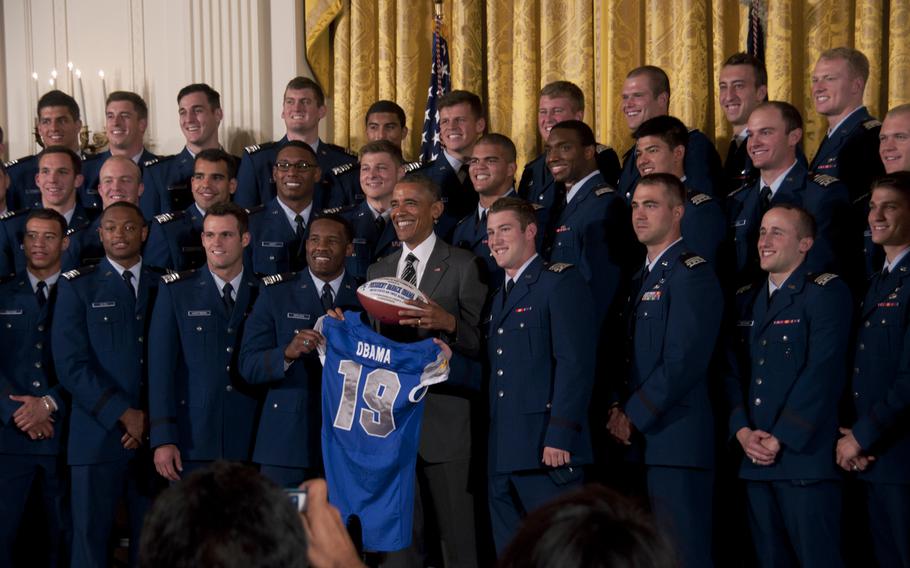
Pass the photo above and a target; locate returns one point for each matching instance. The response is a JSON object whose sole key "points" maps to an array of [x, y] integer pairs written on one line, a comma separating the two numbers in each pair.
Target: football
{"points": [[383, 297]]}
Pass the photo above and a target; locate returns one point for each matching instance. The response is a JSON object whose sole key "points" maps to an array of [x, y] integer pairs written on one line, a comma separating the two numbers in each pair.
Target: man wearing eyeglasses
{"points": [[280, 227], [175, 239]]}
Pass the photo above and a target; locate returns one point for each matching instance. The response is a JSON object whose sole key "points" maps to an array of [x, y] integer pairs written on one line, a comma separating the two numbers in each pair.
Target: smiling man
{"points": [[894, 140], [741, 86]]}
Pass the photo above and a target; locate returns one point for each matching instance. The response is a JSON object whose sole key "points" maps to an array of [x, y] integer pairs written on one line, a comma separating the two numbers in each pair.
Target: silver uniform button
{"points": [[499, 372], [229, 388], [36, 384], [501, 394], [757, 402]]}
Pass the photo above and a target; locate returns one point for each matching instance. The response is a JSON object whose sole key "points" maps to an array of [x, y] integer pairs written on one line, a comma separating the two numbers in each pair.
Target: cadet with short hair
{"points": [[742, 86]]}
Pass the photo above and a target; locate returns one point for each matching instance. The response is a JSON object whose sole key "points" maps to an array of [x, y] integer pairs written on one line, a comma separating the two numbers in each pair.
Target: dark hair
{"points": [[59, 98], [74, 158], [142, 109], [131, 206], [297, 144], [453, 98], [225, 515], [675, 188], [565, 89], [424, 182], [660, 83], [48, 215], [791, 116], [757, 65], [856, 60], [668, 128], [335, 217], [593, 527], [230, 209], [386, 106], [521, 208], [805, 225], [382, 147], [300, 83], [216, 155], [585, 134], [502, 141], [898, 181], [211, 94]]}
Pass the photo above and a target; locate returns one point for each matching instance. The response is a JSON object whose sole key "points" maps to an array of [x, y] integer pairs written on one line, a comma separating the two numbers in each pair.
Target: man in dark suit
{"points": [[876, 436], [742, 85], [451, 278], [100, 356], [200, 409], [674, 320], [278, 350], [33, 405], [542, 350], [786, 374]]}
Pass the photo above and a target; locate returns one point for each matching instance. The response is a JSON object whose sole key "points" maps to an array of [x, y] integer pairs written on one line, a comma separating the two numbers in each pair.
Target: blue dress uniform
{"points": [[786, 374], [100, 357], [12, 231], [542, 341], [273, 240], [372, 240], [167, 184], [25, 329], [704, 225], [738, 169], [23, 191], [538, 186], [197, 398], [287, 440], [459, 197], [822, 196], [880, 399], [593, 232], [91, 172], [254, 179], [702, 166], [674, 322], [175, 240]]}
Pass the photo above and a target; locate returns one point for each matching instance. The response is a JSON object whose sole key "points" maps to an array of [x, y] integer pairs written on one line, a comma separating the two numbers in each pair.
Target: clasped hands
{"points": [[33, 417]]}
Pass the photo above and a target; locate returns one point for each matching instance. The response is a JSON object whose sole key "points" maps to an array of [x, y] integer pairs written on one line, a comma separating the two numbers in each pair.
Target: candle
{"points": [[103, 85], [72, 84], [35, 77], [53, 81], [82, 98]]}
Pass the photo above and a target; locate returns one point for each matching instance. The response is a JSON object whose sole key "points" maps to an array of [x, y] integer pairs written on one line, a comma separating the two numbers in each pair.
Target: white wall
{"points": [[246, 49]]}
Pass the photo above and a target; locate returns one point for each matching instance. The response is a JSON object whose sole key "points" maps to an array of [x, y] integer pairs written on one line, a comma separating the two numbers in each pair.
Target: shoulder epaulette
{"points": [[603, 190], [164, 218], [257, 147], [337, 210], [255, 209], [692, 129], [699, 198], [871, 123], [272, 279], [81, 271], [824, 180], [691, 260], [465, 218], [412, 166], [744, 289], [559, 266], [537, 206], [602, 147], [338, 170], [823, 279], [92, 157], [17, 160], [10, 214], [172, 277], [746, 185], [73, 230], [158, 160], [10, 163]]}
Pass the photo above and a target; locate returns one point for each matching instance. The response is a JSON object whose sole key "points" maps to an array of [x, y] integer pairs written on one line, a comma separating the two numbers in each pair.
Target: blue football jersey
{"points": [[372, 389]]}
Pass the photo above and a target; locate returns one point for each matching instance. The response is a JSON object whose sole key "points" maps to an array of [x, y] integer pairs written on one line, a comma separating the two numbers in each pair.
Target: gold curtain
{"points": [[505, 51]]}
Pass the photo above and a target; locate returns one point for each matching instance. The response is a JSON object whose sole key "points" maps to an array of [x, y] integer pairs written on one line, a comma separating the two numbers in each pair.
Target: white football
{"points": [[383, 297]]}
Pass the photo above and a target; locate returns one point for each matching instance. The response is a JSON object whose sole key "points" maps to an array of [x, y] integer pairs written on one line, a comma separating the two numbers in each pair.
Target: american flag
{"points": [[440, 84]]}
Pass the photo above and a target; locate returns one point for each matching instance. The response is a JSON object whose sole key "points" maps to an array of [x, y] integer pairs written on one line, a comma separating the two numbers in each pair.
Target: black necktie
{"points": [[128, 278], [764, 199], [328, 300], [227, 298], [380, 225], [410, 273], [482, 220], [463, 173], [41, 292], [509, 285]]}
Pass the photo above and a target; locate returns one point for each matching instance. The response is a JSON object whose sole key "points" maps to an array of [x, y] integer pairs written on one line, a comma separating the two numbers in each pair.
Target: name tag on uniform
{"points": [[740, 223], [785, 322], [10, 312], [293, 316], [651, 296], [198, 313], [745, 323], [271, 244], [359, 241], [104, 304]]}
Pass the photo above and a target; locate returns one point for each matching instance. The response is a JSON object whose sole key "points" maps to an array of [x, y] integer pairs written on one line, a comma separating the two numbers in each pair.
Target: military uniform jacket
{"points": [[471, 235], [880, 390], [254, 179], [674, 321], [702, 166], [272, 237], [12, 232], [344, 181], [25, 332], [850, 153], [786, 372], [542, 343], [167, 182], [459, 198], [91, 172], [100, 354], [369, 243], [175, 240], [23, 192], [538, 186], [593, 232], [197, 399], [704, 225], [824, 197], [289, 428]]}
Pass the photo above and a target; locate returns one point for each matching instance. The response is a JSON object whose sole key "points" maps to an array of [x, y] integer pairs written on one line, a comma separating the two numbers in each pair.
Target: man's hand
{"points": [[446, 350], [304, 342], [429, 316], [167, 462], [328, 542], [41, 431], [136, 426], [335, 313], [751, 441], [32, 412], [849, 454], [554, 457], [619, 426]]}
